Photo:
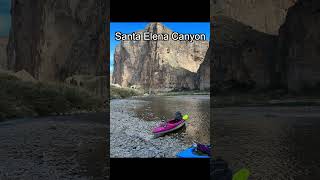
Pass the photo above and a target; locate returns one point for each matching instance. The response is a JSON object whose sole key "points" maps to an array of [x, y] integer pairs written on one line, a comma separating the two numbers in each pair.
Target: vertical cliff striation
{"points": [[299, 46], [204, 69], [53, 40], [158, 65], [241, 56]]}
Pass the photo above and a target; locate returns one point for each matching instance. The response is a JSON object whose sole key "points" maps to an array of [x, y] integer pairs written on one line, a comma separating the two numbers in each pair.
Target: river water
{"points": [[160, 108], [280, 143]]}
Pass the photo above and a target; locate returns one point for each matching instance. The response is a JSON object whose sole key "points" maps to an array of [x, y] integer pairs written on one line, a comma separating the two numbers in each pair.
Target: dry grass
{"points": [[21, 98]]}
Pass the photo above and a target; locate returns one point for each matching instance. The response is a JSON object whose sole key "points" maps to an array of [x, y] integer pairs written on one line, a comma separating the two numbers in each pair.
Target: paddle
{"points": [[185, 117], [242, 174]]}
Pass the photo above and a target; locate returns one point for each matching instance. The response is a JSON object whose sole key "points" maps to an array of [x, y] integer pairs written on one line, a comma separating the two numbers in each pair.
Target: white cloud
{"points": [[111, 61]]}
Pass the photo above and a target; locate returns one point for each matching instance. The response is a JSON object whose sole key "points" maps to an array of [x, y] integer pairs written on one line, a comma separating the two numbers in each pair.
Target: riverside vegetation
{"points": [[19, 98], [122, 92]]}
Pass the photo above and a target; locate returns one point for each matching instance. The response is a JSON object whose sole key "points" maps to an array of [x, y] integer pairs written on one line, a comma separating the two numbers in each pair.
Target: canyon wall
{"points": [[3, 52], [204, 69], [53, 40], [245, 54], [242, 56], [263, 15], [299, 46], [158, 65]]}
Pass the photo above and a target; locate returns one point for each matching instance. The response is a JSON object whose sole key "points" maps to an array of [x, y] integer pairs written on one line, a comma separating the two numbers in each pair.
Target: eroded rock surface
{"points": [[204, 69], [299, 44], [53, 40], [158, 65], [241, 55], [263, 15]]}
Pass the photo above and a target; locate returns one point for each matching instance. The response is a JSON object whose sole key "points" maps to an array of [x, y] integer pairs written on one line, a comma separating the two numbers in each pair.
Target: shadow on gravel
{"points": [[60, 147]]}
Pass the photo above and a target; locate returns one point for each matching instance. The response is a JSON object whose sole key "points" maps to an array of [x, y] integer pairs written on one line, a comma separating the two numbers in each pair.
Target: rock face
{"points": [[204, 69], [244, 56], [53, 40], [263, 15], [158, 65], [299, 46], [241, 56], [3, 53]]}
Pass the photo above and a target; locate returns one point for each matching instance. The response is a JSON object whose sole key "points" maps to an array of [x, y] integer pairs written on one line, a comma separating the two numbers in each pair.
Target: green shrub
{"points": [[118, 92]]}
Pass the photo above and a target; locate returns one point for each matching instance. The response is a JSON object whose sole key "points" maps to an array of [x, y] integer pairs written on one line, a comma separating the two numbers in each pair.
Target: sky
{"points": [[185, 27], [5, 17]]}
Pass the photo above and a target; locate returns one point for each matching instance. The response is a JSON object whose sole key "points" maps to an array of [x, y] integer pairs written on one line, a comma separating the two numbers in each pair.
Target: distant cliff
{"points": [[158, 65], [263, 15], [53, 40]]}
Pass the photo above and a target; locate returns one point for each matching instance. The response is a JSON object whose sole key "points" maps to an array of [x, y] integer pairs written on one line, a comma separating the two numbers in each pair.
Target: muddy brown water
{"points": [[279, 143], [162, 108]]}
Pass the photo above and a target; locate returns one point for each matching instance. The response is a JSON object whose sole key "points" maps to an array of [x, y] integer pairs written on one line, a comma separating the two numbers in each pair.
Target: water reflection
{"points": [[197, 107]]}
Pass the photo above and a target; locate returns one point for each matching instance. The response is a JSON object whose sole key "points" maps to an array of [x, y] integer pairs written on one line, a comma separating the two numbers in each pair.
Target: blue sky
{"points": [[5, 17], [185, 27]]}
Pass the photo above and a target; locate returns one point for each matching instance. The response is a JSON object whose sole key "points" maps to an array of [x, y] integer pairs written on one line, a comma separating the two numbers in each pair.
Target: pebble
{"points": [[132, 137]]}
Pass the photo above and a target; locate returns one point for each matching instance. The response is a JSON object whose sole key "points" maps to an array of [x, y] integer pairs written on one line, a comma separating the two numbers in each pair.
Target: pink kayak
{"points": [[168, 127]]}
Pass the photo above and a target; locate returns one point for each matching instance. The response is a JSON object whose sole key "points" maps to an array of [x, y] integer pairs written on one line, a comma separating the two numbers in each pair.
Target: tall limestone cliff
{"points": [[204, 69], [241, 55], [299, 46], [263, 15], [158, 65], [53, 40]]}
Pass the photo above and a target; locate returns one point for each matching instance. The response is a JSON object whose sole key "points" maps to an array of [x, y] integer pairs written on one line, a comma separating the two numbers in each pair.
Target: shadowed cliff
{"points": [[54, 40]]}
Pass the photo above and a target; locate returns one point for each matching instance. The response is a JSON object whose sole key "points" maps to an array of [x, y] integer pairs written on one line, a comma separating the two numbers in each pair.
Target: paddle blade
{"points": [[185, 117], [242, 174]]}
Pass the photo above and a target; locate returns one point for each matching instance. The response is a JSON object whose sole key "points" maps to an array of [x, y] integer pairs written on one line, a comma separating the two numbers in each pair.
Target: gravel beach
{"points": [[57, 147], [132, 137]]}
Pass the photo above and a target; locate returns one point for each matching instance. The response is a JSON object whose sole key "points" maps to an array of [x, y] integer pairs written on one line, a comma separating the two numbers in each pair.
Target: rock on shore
{"points": [[132, 137]]}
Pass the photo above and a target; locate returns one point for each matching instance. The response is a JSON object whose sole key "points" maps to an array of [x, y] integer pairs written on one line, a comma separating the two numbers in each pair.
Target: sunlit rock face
{"points": [[158, 65], [262, 15], [204, 69]]}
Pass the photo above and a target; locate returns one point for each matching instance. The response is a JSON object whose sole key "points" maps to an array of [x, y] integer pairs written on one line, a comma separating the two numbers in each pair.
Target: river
{"points": [[164, 108], [272, 142], [132, 121]]}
